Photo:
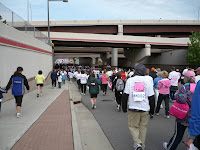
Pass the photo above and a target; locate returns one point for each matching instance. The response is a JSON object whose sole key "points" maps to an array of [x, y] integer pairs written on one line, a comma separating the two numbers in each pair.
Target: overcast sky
{"points": [[107, 9]]}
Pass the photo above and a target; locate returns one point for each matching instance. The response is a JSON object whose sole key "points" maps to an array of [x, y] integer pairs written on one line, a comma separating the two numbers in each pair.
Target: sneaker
{"points": [[84, 94], [166, 116], [19, 115], [95, 106], [37, 95], [165, 145], [119, 107], [138, 147], [104, 94], [40, 94], [151, 116], [157, 114]]}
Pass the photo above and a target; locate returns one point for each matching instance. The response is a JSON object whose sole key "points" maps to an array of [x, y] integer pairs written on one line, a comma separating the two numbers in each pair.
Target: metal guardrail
{"points": [[12, 19]]}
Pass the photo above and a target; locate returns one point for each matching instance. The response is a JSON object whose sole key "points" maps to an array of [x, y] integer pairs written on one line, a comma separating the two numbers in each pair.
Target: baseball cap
{"points": [[198, 69], [190, 74], [152, 69]]}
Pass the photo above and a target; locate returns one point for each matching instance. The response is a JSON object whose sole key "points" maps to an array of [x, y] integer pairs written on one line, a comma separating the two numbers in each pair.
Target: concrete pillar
{"points": [[136, 55], [120, 30], [93, 61], [114, 58]]}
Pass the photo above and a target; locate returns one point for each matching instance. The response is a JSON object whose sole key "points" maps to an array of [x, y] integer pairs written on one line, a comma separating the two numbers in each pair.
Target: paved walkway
{"points": [[12, 128], [52, 131]]}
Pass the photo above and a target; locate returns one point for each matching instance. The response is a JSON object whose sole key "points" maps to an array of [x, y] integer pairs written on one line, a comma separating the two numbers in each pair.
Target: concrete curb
{"points": [[75, 127]]}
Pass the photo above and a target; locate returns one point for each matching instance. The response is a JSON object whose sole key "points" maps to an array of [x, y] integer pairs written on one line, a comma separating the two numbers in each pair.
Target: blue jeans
{"points": [[59, 84]]}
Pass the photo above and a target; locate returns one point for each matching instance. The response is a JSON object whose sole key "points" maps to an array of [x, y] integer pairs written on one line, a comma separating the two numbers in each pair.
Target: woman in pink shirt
{"points": [[104, 79], [163, 87]]}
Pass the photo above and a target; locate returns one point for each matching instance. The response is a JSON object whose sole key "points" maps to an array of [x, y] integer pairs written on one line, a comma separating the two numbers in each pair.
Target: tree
{"points": [[193, 56], [1, 19]]}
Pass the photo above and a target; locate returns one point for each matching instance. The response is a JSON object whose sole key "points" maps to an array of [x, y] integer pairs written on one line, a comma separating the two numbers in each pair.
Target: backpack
{"points": [[120, 85]]}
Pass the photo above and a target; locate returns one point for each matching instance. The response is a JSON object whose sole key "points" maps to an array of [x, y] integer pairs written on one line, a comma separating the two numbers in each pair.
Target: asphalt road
{"points": [[115, 125]]}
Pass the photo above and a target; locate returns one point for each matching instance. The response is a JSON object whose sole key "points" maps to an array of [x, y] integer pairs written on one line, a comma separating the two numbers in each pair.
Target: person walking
{"points": [[174, 77], [136, 93], [40, 81], [155, 82], [194, 122], [184, 95], [83, 81], [64, 77], [59, 80], [54, 78], [163, 87], [93, 85], [119, 88], [18, 81], [104, 80], [1, 95]]}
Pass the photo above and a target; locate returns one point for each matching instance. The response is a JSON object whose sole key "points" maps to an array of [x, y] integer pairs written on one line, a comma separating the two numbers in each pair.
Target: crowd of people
{"points": [[139, 91]]}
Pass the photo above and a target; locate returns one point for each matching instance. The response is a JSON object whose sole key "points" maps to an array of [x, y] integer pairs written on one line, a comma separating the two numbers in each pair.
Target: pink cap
{"points": [[198, 69], [177, 69], [190, 74]]}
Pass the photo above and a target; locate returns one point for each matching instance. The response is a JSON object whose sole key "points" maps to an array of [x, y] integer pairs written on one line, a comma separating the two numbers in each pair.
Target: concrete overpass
{"points": [[138, 39]]}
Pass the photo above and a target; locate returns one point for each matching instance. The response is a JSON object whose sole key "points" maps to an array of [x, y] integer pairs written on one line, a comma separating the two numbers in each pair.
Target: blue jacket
{"points": [[194, 122], [2, 91], [155, 81]]}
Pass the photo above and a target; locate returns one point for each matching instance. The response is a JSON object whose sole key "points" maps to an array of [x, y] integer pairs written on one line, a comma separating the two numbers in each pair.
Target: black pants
{"points": [[118, 96], [83, 88], [18, 100], [177, 137], [160, 99], [104, 87], [79, 84], [54, 83], [151, 104]]}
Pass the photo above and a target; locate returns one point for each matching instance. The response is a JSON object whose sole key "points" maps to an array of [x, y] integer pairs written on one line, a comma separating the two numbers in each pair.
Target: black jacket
{"points": [[18, 75], [54, 76]]}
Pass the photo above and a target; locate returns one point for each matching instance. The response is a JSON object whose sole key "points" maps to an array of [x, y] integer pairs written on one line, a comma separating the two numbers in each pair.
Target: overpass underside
{"points": [[117, 50]]}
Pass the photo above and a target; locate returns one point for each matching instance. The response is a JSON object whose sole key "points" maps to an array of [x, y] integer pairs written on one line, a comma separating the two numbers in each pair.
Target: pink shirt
{"points": [[163, 86], [104, 79]]}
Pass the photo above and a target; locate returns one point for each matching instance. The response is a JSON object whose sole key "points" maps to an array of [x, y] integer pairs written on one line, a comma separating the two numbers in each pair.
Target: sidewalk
{"points": [[48, 123]]}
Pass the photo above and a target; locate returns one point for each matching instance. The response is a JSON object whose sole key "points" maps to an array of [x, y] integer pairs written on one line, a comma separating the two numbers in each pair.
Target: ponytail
{"points": [[19, 69]]}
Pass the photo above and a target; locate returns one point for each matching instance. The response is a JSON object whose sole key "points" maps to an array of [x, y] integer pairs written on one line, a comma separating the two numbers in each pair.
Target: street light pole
{"points": [[49, 41]]}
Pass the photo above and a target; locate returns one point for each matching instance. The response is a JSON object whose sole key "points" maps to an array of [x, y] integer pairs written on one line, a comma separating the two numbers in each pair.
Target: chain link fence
{"points": [[10, 18]]}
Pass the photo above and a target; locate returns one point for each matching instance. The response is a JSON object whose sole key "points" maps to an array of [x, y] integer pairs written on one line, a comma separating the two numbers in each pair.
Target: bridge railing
{"points": [[10, 18]]}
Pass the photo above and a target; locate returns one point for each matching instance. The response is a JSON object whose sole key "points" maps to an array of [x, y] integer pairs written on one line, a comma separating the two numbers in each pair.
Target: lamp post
{"points": [[49, 41]]}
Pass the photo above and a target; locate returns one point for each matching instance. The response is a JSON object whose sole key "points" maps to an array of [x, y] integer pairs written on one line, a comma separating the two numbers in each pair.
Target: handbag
{"points": [[179, 110]]}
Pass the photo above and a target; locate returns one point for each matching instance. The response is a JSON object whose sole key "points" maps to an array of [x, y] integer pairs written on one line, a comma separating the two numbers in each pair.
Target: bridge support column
{"points": [[93, 61], [135, 56], [114, 58]]}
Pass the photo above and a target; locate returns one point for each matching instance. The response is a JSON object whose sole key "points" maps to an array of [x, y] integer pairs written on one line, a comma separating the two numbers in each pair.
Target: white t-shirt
{"points": [[60, 78], [109, 73], [75, 74], [174, 77], [78, 76], [197, 78], [83, 78], [70, 75], [134, 83]]}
